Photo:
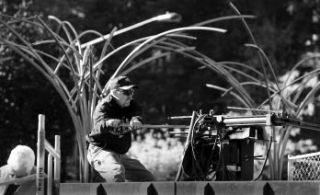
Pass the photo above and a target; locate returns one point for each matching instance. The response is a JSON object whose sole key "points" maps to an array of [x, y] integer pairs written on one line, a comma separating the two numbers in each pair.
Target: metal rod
{"points": [[57, 164], [231, 121], [40, 155], [247, 120], [308, 127], [49, 179], [241, 121], [179, 117], [147, 126], [253, 109], [164, 17], [51, 150]]}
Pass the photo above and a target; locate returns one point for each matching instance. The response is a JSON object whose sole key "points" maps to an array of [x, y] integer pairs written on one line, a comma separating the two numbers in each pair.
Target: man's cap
{"points": [[120, 82]]}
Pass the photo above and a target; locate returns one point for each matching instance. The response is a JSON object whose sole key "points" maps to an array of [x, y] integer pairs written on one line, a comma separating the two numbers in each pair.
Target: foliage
{"points": [[160, 153], [24, 92]]}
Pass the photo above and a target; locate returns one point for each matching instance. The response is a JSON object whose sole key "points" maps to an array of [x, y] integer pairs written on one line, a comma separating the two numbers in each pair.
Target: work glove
{"points": [[135, 123]]}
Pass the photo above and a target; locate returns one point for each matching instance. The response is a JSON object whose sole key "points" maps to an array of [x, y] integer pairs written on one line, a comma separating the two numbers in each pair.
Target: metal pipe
{"points": [[179, 117], [148, 126], [49, 172], [40, 155], [247, 120], [51, 150], [57, 164], [232, 121], [254, 109], [167, 17]]}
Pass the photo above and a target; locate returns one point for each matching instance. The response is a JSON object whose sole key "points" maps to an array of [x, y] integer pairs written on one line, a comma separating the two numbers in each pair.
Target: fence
{"points": [[304, 167], [53, 166]]}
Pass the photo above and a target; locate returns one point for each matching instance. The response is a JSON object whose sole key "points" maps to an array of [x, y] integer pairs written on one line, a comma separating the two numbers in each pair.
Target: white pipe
{"points": [[40, 155]]}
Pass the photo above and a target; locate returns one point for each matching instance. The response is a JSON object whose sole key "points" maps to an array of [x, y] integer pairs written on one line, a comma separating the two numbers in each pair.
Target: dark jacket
{"points": [[109, 138]]}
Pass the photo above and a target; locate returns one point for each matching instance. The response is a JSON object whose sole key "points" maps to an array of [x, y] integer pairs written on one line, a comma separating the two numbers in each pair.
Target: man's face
{"points": [[124, 97], [20, 172]]}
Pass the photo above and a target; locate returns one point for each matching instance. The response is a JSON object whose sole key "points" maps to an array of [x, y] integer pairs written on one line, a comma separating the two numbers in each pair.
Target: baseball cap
{"points": [[120, 82]]}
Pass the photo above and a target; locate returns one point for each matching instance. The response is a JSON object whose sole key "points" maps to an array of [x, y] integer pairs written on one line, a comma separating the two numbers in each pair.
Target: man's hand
{"points": [[135, 123], [113, 123]]}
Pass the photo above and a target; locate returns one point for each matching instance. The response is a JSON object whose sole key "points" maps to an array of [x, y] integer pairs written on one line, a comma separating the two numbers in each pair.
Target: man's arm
{"points": [[104, 123]]}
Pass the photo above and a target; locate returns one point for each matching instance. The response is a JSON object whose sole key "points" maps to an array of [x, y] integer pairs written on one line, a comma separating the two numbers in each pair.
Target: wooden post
{"points": [[40, 155]]}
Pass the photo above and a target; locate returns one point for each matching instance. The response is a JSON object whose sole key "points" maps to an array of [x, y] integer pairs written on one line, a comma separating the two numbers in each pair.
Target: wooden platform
{"points": [[194, 188]]}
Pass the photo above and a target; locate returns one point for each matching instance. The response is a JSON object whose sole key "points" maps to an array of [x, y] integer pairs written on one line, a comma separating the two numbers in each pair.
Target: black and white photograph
{"points": [[167, 97]]}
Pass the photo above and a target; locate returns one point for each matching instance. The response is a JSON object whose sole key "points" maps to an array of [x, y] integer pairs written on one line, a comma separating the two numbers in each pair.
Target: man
{"points": [[110, 140], [19, 164]]}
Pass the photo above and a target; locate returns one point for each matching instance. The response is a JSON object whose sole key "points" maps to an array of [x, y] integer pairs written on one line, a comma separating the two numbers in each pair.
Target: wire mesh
{"points": [[304, 167]]}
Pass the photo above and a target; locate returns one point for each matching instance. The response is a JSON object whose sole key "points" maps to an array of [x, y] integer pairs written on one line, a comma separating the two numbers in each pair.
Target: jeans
{"points": [[114, 167]]}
